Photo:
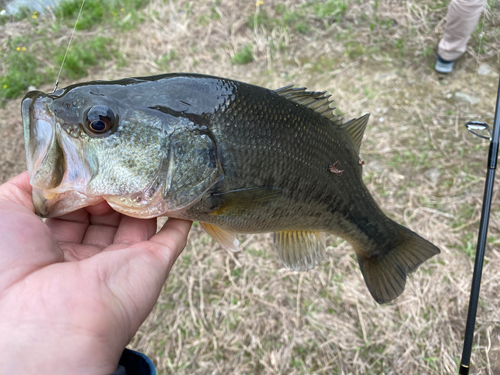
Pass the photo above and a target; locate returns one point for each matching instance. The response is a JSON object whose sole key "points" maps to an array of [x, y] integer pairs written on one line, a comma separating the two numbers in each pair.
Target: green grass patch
{"points": [[261, 18], [243, 56], [21, 69], [296, 19], [165, 61], [82, 56], [330, 9], [22, 61], [23, 13], [95, 12], [354, 49]]}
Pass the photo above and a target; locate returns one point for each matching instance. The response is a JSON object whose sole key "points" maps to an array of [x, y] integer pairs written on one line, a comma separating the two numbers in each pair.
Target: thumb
{"points": [[18, 190]]}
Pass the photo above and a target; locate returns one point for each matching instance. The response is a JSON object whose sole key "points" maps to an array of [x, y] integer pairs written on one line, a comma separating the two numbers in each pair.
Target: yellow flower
{"points": [[5, 86], [34, 16], [23, 48], [259, 2], [18, 48], [121, 10]]}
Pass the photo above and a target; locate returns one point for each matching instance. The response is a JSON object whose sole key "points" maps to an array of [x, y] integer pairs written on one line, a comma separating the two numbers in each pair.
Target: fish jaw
{"points": [[39, 128], [48, 204], [58, 172]]}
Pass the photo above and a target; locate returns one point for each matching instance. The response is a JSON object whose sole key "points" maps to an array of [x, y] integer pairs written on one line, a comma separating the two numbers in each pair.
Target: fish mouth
{"points": [[39, 128], [58, 171], [48, 204]]}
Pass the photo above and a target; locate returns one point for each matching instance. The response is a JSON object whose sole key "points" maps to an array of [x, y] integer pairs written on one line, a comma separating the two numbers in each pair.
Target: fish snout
{"points": [[39, 131], [59, 165]]}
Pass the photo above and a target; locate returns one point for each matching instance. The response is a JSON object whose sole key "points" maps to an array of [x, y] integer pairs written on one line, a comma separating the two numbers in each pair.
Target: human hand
{"points": [[75, 289]]}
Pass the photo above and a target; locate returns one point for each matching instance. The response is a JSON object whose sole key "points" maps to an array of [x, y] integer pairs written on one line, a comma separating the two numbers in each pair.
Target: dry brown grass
{"points": [[224, 313]]}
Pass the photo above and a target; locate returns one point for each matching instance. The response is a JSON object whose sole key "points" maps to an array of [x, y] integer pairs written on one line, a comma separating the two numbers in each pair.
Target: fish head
{"points": [[89, 143]]}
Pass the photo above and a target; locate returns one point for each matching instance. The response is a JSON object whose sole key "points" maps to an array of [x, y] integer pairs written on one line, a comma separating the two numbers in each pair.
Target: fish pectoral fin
{"points": [[356, 128], [300, 250], [237, 202], [223, 237]]}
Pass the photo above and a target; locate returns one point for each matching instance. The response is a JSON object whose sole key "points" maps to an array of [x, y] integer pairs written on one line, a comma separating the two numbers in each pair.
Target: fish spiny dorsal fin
{"points": [[315, 100], [356, 128]]}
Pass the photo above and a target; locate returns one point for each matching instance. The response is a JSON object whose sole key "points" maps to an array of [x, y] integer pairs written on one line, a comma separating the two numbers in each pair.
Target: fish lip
{"points": [[40, 203], [58, 206], [38, 126], [53, 194]]}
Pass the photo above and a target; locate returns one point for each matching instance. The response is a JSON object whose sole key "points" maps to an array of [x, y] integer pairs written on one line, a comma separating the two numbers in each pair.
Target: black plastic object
{"points": [[473, 127]]}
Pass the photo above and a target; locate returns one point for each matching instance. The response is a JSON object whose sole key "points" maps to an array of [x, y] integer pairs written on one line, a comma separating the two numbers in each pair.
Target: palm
{"points": [[90, 277]]}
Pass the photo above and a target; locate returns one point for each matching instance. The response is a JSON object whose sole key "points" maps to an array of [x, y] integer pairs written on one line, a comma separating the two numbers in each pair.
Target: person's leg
{"points": [[461, 20]]}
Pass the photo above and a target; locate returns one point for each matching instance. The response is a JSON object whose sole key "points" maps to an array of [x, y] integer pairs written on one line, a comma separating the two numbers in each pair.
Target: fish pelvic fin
{"points": [[226, 239], [355, 128], [385, 272], [300, 250]]}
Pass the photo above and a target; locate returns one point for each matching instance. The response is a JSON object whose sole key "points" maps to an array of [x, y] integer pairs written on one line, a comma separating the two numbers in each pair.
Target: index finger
{"points": [[18, 190]]}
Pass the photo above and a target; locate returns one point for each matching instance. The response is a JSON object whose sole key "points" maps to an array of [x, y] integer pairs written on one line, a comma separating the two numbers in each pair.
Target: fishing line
{"points": [[67, 49]]}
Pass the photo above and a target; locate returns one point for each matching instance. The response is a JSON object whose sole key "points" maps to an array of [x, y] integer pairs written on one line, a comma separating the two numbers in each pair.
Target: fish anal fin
{"points": [[237, 202], [224, 238], [385, 273], [355, 128], [315, 100], [300, 250]]}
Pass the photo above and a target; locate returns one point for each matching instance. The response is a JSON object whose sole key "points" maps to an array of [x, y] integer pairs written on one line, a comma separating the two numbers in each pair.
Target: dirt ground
{"points": [[223, 313]]}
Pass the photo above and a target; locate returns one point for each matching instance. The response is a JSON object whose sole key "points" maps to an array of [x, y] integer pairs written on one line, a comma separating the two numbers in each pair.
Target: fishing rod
{"points": [[476, 128]]}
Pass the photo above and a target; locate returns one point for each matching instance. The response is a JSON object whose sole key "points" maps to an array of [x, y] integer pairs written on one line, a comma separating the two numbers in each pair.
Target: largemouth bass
{"points": [[237, 158]]}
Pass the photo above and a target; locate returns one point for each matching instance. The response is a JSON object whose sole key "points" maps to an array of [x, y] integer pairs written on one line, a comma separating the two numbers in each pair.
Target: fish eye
{"points": [[99, 119]]}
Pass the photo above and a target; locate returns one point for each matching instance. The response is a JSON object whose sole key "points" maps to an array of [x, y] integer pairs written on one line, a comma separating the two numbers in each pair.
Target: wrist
{"points": [[32, 351]]}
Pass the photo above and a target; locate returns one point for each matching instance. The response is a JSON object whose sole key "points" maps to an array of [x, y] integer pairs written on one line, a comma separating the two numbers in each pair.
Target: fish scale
{"points": [[236, 157], [302, 168]]}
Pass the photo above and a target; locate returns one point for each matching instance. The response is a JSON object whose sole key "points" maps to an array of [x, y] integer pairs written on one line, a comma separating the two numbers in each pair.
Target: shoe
{"points": [[443, 66]]}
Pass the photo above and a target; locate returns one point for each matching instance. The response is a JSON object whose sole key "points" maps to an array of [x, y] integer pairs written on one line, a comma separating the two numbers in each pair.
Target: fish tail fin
{"points": [[385, 268]]}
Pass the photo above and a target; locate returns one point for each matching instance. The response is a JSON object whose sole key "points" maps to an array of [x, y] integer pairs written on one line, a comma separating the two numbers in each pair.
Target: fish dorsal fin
{"points": [[224, 238], [356, 128], [300, 250], [315, 100]]}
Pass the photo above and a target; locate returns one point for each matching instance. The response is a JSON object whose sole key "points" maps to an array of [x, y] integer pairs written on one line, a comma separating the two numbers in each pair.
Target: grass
{"points": [[98, 11], [330, 9], [22, 67], [243, 313], [83, 55], [243, 56], [165, 61]]}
